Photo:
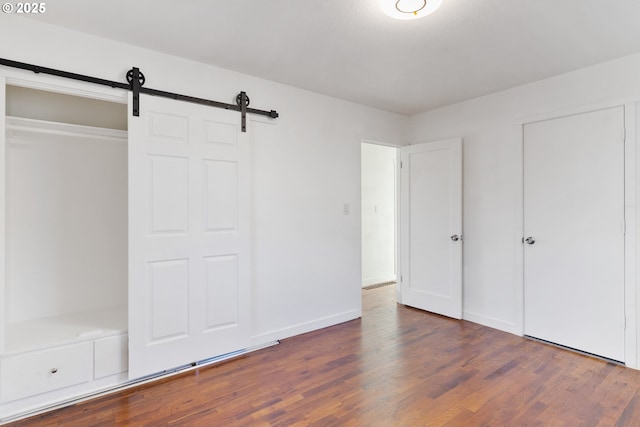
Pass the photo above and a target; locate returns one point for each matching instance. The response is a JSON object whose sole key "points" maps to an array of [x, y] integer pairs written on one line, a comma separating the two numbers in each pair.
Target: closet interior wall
{"points": [[65, 249]]}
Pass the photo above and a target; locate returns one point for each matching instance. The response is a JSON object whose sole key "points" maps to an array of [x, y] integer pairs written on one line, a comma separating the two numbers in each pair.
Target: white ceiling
{"points": [[350, 50]]}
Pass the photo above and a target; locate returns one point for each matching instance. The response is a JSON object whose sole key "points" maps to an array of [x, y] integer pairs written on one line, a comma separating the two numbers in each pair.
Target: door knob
{"points": [[530, 240], [455, 237]]}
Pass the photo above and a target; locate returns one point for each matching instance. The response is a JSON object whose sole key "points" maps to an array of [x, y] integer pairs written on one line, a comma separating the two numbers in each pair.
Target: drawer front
{"points": [[111, 356], [38, 372]]}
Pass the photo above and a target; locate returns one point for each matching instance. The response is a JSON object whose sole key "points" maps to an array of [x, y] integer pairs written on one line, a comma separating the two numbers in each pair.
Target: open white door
{"points": [[189, 236], [431, 226]]}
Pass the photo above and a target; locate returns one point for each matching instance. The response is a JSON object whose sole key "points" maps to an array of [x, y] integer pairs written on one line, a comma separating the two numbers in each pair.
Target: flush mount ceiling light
{"points": [[409, 9]]}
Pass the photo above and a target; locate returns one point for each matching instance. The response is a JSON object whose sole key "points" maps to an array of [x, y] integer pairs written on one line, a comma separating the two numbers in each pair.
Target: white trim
{"points": [[27, 79], [398, 230], [385, 144], [305, 327], [40, 409], [633, 136], [630, 238], [492, 322], [21, 126], [3, 149], [518, 233], [43, 402], [575, 110], [377, 280]]}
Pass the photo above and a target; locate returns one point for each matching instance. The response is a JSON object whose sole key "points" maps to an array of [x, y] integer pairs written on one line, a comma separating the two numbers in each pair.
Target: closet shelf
{"points": [[19, 126], [66, 329]]}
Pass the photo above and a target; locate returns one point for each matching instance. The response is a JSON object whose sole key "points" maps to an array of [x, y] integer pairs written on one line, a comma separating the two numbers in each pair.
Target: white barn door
{"points": [[189, 235], [574, 231], [431, 227]]}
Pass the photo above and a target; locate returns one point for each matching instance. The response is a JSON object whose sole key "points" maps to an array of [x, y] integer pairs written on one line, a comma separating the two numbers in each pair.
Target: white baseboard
{"points": [[376, 280], [305, 327], [19, 409], [491, 322]]}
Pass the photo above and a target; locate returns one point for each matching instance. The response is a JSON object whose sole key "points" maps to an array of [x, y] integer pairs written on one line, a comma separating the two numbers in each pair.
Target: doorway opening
{"points": [[379, 213]]}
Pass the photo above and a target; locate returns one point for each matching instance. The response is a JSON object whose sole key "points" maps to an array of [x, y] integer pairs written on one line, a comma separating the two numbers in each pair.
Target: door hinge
{"points": [[624, 134], [401, 278], [401, 165]]}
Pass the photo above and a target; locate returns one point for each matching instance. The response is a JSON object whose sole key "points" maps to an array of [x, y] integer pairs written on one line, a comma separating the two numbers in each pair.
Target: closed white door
{"points": [[189, 235], [431, 227], [574, 231]]}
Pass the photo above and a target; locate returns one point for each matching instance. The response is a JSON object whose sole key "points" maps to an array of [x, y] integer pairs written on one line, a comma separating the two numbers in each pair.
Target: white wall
{"points": [[378, 214], [67, 241], [491, 130], [305, 165], [56, 107]]}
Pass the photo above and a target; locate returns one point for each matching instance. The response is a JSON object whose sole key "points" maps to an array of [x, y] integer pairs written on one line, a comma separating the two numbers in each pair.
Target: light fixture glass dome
{"points": [[409, 9]]}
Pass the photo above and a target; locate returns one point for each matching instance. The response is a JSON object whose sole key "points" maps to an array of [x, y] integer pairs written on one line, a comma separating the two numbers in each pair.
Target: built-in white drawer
{"points": [[42, 371], [111, 356]]}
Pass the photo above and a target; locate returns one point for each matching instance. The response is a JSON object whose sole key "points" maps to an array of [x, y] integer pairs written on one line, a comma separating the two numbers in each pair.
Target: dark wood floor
{"points": [[395, 366]]}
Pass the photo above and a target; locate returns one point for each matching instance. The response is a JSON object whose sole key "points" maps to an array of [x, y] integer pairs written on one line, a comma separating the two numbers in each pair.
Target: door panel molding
{"points": [[189, 285]]}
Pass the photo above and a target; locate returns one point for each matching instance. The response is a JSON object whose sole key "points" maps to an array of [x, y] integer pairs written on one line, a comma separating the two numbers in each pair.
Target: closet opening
{"points": [[65, 195]]}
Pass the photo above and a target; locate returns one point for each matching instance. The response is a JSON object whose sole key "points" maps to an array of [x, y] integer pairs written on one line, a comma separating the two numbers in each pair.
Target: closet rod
{"points": [[135, 82]]}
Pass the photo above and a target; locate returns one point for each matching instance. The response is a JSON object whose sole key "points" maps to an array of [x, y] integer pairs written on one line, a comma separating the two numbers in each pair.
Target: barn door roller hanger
{"points": [[135, 83]]}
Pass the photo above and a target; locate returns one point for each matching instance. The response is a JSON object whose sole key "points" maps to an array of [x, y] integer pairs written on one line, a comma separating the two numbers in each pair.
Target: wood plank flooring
{"points": [[396, 366]]}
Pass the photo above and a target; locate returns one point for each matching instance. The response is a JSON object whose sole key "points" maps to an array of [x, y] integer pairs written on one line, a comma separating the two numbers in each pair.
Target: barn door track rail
{"points": [[135, 83]]}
